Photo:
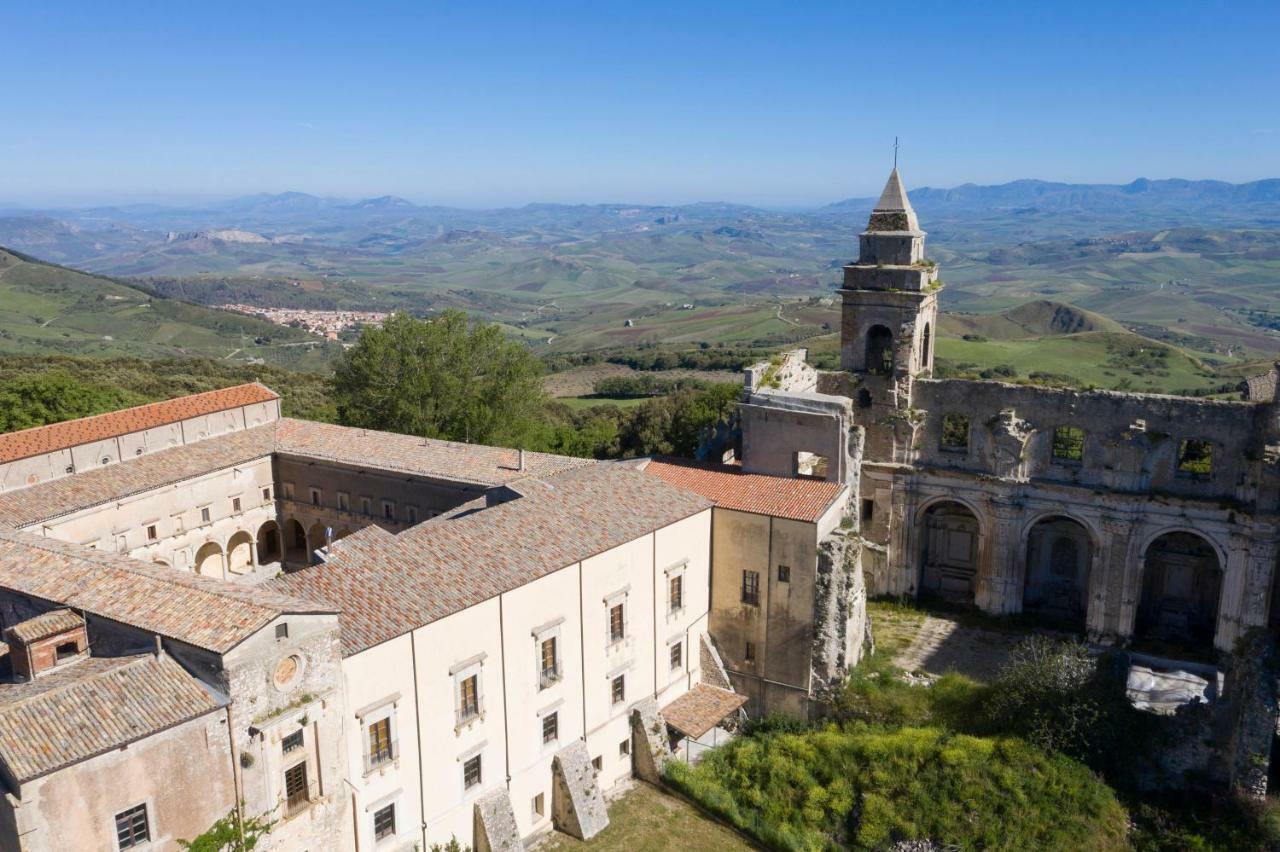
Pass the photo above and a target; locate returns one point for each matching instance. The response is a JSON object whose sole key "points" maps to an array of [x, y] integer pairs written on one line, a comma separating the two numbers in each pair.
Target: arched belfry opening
{"points": [[926, 347], [1059, 561], [879, 352], [949, 553], [1181, 586]]}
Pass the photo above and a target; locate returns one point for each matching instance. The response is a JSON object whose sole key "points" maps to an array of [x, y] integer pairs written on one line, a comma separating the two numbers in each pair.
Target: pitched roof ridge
{"points": [[894, 196], [107, 666]]}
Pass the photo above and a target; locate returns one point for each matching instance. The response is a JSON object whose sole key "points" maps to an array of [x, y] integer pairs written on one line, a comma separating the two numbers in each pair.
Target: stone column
{"points": [[999, 589], [1111, 603], [1246, 581], [903, 546]]}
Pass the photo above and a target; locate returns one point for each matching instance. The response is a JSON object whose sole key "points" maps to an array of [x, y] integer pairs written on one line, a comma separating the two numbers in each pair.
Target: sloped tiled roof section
{"points": [[701, 709], [91, 707], [46, 624], [133, 476], [72, 433], [199, 611], [448, 460], [730, 488], [384, 589]]}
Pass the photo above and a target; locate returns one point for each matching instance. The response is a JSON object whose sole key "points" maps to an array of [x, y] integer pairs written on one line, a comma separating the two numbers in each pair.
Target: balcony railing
{"points": [[379, 757], [549, 676]]}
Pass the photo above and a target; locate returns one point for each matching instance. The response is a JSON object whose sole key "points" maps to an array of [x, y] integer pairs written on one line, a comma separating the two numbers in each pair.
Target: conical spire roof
{"points": [[894, 201]]}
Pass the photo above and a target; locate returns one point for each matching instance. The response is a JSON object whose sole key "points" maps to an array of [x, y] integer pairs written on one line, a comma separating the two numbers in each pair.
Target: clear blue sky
{"points": [[771, 103]]}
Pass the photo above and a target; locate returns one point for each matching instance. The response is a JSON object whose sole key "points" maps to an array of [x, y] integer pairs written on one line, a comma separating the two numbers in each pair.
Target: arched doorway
{"points": [[295, 542], [949, 552], [926, 340], [268, 543], [240, 553], [316, 539], [160, 562], [341, 534], [1181, 584], [1056, 582], [879, 350], [209, 560]]}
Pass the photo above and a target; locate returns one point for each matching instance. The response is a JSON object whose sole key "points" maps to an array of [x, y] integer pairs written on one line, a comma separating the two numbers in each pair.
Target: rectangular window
{"points": [[469, 698], [784, 573], [617, 623], [204, 515], [1068, 444], [471, 772], [549, 665], [381, 749], [811, 465], [292, 742], [295, 788], [288, 491], [132, 828], [266, 494], [384, 822], [597, 763], [366, 507], [65, 651], [618, 689], [235, 504], [955, 434], [539, 806], [550, 727], [677, 656], [412, 513], [750, 654], [282, 630], [388, 510], [152, 532], [343, 499], [1195, 458], [315, 496], [751, 587], [675, 593], [624, 748], [868, 510]]}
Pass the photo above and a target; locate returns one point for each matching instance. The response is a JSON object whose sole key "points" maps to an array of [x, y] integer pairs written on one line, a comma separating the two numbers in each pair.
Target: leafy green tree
{"points": [[444, 378], [38, 399], [232, 833]]}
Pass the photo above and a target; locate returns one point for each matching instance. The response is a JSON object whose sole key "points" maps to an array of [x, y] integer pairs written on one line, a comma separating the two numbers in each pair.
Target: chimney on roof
{"points": [[45, 642], [520, 459]]}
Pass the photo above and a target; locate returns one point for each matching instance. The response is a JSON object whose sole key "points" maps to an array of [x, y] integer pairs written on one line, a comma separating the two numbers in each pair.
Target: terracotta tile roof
{"points": [[730, 488], [200, 611], [70, 493], [387, 588], [46, 624], [701, 709], [71, 433], [91, 707], [449, 460]]}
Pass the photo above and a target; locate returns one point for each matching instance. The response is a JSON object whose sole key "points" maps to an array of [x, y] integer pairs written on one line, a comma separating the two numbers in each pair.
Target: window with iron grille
{"points": [[292, 742], [381, 749], [677, 655], [550, 727], [618, 689], [235, 504], [549, 664], [384, 822], [469, 697], [295, 787], [471, 772], [617, 623], [132, 829], [751, 587], [675, 593]]}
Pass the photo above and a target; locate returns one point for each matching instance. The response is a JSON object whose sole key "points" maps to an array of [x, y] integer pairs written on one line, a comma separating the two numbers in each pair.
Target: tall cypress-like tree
{"points": [[445, 377]]}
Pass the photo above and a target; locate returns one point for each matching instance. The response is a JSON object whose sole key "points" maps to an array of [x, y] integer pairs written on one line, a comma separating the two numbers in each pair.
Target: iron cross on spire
{"points": [[895, 152]]}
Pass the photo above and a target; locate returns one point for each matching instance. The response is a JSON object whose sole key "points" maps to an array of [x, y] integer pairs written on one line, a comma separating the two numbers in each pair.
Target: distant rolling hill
{"points": [[1032, 319], [49, 309]]}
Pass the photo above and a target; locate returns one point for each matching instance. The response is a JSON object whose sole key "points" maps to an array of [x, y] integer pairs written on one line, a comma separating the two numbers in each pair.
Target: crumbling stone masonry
{"points": [[577, 805]]}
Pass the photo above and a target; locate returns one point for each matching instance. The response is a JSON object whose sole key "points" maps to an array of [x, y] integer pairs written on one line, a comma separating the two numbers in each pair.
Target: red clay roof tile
{"points": [[730, 488]]}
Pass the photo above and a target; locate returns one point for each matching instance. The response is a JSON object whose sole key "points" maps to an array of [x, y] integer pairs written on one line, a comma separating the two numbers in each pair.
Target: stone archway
{"points": [[240, 553], [1059, 562], [316, 539], [269, 543], [1181, 586], [949, 552], [879, 352], [209, 560], [926, 343], [295, 542]]}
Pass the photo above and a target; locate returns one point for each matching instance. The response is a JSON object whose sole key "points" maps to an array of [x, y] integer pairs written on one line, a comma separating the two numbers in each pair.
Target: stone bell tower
{"points": [[889, 310]]}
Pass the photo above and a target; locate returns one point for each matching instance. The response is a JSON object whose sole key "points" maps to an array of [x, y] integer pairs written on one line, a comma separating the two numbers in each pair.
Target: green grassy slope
{"points": [[53, 309]]}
